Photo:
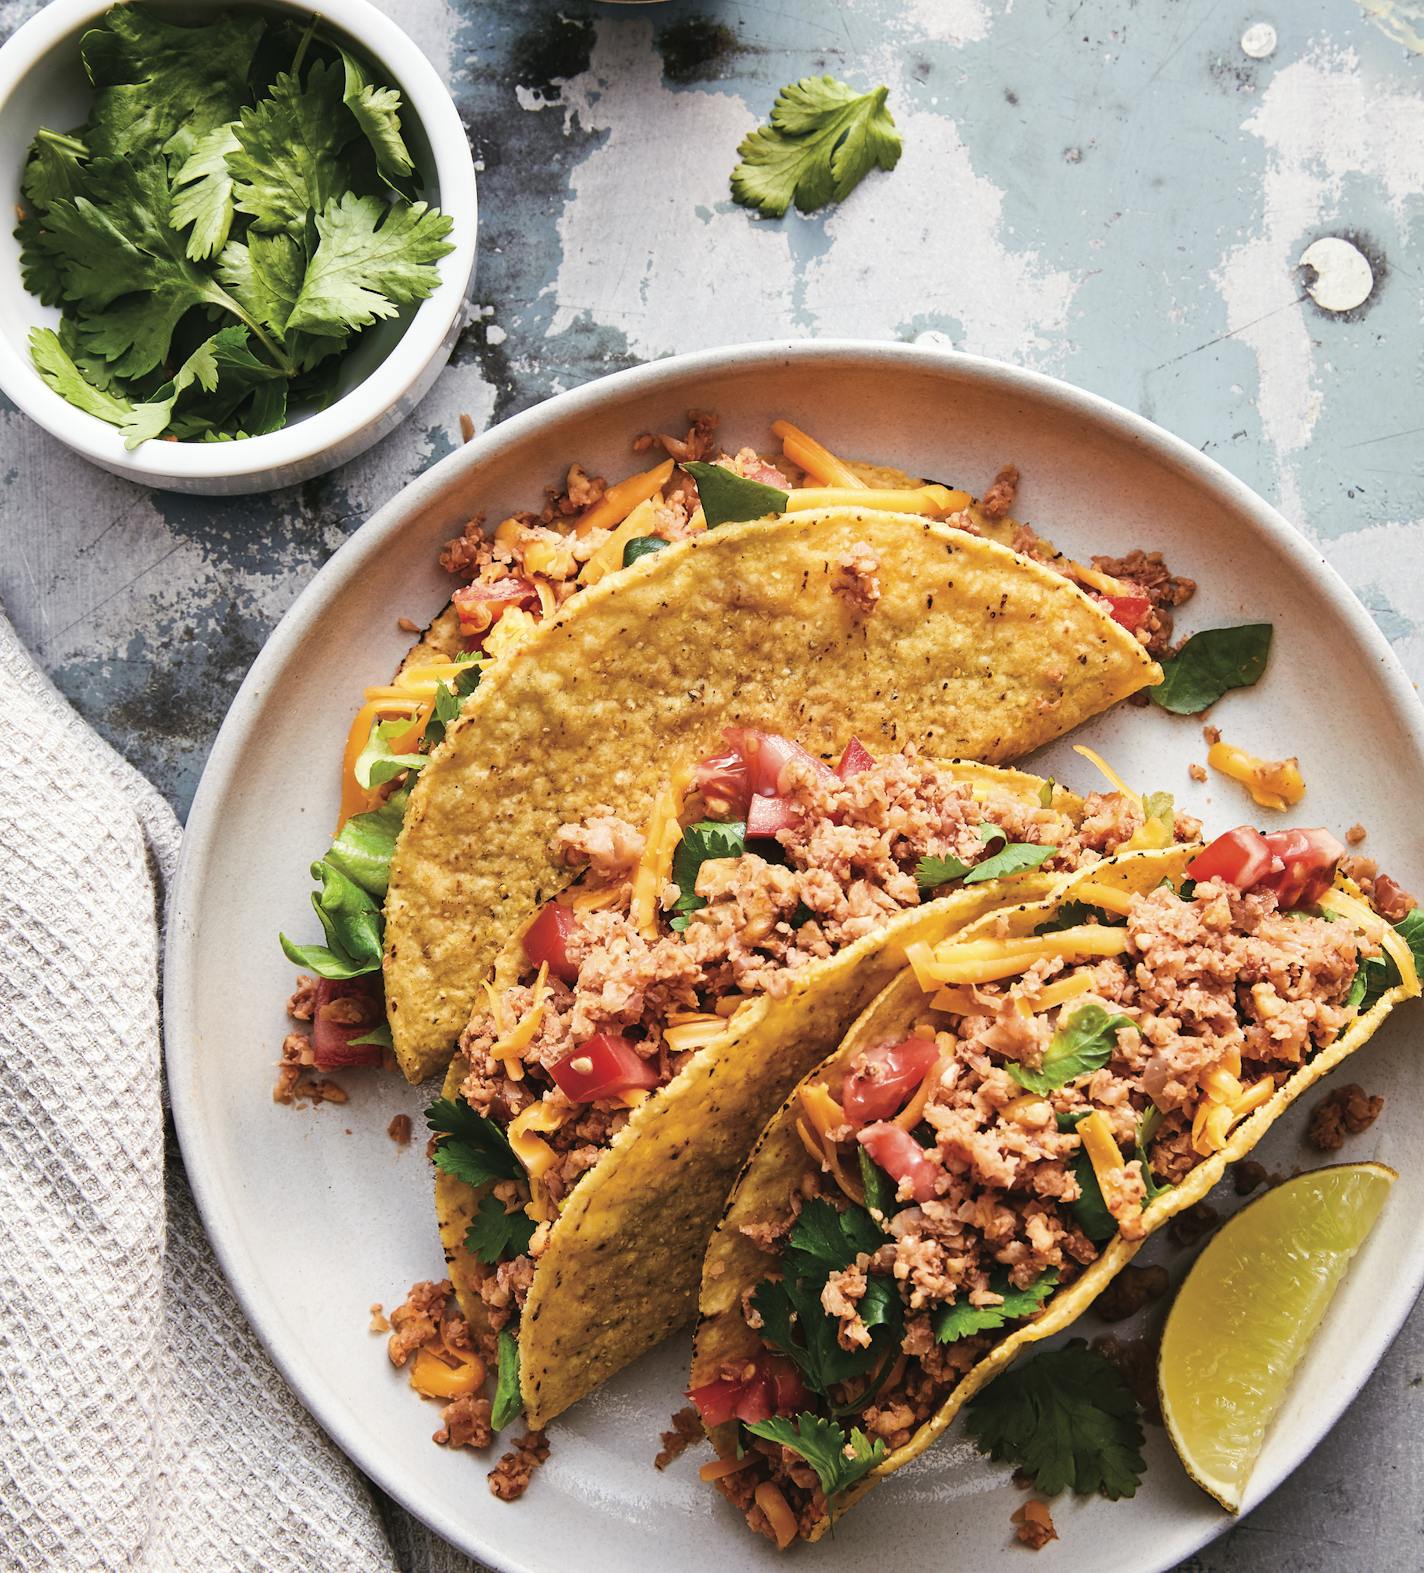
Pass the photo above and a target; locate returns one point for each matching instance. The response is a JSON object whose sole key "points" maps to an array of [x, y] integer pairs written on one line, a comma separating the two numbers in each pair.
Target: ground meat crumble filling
{"points": [[1007, 1181], [609, 1002]]}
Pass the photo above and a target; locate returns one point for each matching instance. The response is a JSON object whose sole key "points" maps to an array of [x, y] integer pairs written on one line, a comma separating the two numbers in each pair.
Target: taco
{"points": [[638, 1032], [999, 1133]]}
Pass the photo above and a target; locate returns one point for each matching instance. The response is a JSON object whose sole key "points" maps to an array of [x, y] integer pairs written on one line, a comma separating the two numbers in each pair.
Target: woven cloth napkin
{"points": [[142, 1426]]}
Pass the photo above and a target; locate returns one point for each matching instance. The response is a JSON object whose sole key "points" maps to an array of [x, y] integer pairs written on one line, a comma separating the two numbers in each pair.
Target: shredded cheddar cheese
{"points": [[693, 1031], [515, 627], [725, 1466], [1103, 1152], [535, 1154], [932, 499], [619, 501], [1055, 993], [988, 960], [1383, 934], [957, 1002], [1273, 783], [431, 1376], [822, 1111], [909, 1117], [1096, 759], [609, 557], [818, 462], [655, 866], [510, 1046], [1108, 897], [782, 1520]]}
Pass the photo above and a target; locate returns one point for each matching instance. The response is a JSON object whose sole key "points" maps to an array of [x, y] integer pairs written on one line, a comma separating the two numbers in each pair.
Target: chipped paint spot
{"points": [[1338, 274], [1399, 20], [1259, 41]]}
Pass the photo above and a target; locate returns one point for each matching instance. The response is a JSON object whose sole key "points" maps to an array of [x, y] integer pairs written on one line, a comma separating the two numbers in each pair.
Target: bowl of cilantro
{"points": [[246, 236]]}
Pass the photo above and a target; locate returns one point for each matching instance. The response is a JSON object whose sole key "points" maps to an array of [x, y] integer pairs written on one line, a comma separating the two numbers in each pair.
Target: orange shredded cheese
{"points": [[609, 557], [987, 960], [1096, 759], [822, 1111], [1273, 783], [535, 1154], [931, 499], [655, 866], [782, 1520], [510, 1046], [818, 462], [431, 1376], [1103, 1152], [725, 1466], [619, 501], [909, 1117]]}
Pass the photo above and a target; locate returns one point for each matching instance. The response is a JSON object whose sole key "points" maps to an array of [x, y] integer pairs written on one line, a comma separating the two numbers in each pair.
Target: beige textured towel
{"points": [[141, 1424]]}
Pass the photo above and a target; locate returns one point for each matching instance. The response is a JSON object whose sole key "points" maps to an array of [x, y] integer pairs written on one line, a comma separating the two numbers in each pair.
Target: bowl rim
{"points": [[225, 762], [387, 383]]}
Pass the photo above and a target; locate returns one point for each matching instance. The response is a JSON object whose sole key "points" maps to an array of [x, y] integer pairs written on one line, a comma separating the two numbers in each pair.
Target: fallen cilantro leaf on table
{"points": [[1066, 1418], [821, 142], [221, 227]]}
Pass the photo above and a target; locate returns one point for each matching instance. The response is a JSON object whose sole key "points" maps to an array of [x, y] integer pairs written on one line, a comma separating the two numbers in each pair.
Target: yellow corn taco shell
{"points": [[623, 1261], [734, 1263], [971, 652]]}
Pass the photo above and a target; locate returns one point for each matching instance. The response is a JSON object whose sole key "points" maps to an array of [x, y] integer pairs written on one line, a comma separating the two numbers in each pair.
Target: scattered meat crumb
{"points": [[294, 1085], [465, 1422], [1346, 1111], [1212, 734], [509, 1479], [686, 1429], [302, 1004], [407, 625], [1035, 1524], [399, 1130], [1191, 1227], [379, 1324], [695, 446], [1133, 1288], [467, 427], [997, 501], [1197, 772], [1356, 834], [1135, 1361], [857, 579]]}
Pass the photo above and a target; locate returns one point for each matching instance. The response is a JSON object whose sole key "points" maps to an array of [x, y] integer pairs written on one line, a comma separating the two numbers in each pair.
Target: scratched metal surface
{"points": [[1113, 191]]}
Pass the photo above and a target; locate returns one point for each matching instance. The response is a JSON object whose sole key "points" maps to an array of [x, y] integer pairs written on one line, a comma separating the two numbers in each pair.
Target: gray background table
{"points": [[1114, 191]]}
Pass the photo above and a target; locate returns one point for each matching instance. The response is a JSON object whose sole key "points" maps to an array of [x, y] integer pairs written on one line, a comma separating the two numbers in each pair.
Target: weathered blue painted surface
{"points": [[1114, 191]]}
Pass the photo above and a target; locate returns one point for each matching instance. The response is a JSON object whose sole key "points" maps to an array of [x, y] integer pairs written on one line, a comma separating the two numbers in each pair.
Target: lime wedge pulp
{"points": [[1247, 1311]]}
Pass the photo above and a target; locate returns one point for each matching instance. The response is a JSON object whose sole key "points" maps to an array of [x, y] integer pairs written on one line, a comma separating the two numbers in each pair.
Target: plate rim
{"points": [[328, 1408]]}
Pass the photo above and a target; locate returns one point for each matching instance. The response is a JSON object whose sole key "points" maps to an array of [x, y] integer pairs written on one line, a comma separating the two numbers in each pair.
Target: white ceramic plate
{"points": [[317, 1214]]}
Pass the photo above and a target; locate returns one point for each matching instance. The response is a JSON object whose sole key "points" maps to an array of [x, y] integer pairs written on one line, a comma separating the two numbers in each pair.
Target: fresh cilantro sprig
{"points": [[953, 1322], [223, 225], [496, 1235], [707, 841], [1067, 1419], [839, 1460], [470, 1146], [822, 140], [1082, 1043], [1014, 857]]}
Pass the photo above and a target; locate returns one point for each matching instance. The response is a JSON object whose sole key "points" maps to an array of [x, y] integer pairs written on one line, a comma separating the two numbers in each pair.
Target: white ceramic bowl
{"points": [[311, 1225], [393, 364]]}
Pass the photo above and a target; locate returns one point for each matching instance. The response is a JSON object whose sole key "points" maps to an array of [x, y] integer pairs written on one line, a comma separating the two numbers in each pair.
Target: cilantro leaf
{"points": [[449, 698], [287, 163], [932, 872], [377, 112], [880, 1189], [370, 260], [822, 140], [707, 841], [508, 1400], [53, 363], [1209, 665], [202, 193], [161, 86], [643, 546], [53, 169], [729, 498], [824, 1240], [471, 1147], [839, 1461], [1083, 1043], [789, 1305], [1074, 914], [497, 1235], [1065, 1417], [1015, 858], [150, 418], [952, 1322], [242, 377]]}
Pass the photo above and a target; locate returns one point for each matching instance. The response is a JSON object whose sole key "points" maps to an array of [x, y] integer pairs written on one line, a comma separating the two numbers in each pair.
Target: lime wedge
{"points": [[1246, 1314]]}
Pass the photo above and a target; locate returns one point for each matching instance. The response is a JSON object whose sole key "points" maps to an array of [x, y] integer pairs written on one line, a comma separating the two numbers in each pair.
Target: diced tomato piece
{"points": [[717, 1401], [1306, 862], [1129, 610], [902, 1158], [774, 1388], [480, 605], [857, 757], [767, 815], [547, 940], [724, 784], [1242, 857], [767, 755], [602, 1065], [345, 1009], [883, 1077]]}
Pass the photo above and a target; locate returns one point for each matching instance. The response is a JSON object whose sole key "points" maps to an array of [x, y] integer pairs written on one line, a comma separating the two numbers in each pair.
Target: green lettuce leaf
{"points": [[508, 1400]]}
